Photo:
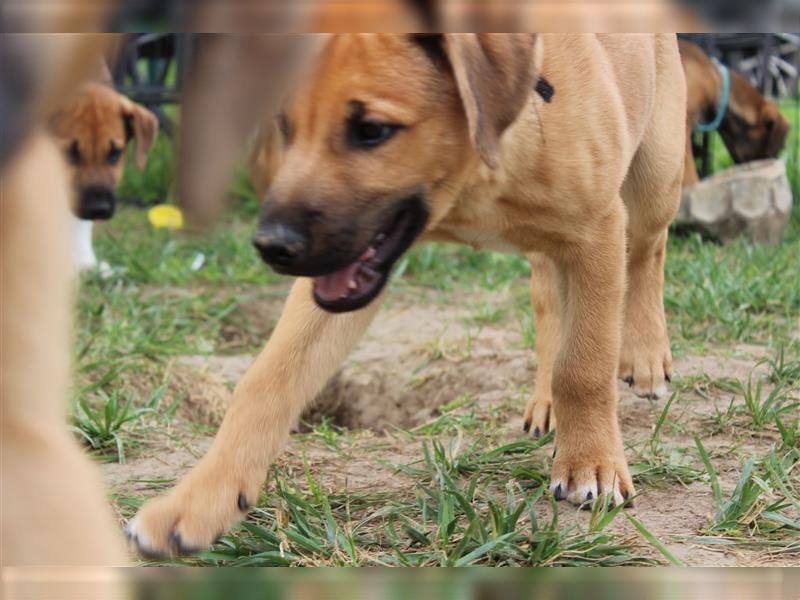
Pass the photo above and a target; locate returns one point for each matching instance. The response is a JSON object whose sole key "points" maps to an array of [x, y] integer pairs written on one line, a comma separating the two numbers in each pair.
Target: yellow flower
{"points": [[165, 215]]}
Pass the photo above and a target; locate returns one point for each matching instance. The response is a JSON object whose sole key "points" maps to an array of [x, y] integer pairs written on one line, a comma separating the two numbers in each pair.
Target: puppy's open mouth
{"points": [[358, 283]]}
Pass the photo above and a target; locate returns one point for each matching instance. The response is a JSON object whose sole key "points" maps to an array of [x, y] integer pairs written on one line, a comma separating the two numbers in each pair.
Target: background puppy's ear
{"points": [[495, 74], [141, 124], [776, 127]]}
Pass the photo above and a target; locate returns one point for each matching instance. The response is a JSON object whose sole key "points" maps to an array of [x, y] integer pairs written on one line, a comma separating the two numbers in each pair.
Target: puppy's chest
{"points": [[479, 239], [481, 221]]}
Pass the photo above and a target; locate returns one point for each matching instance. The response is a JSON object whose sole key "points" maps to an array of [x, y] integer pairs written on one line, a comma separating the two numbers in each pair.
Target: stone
{"points": [[752, 199]]}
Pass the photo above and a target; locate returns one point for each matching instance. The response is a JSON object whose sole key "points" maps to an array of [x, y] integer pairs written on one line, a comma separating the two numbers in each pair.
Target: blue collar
{"points": [[722, 107]]}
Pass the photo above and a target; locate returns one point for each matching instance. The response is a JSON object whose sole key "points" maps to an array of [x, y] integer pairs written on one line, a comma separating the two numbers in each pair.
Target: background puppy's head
{"points": [[753, 127], [374, 147], [94, 129]]}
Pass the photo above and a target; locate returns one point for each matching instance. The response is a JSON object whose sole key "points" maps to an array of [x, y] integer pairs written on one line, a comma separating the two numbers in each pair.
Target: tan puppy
{"points": [[752, 128], [399, 138], [93, 130]]}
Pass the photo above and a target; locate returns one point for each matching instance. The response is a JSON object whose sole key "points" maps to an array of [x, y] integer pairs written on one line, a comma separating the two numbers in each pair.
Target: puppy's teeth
{"points": [[380, 237], [352, 285]]}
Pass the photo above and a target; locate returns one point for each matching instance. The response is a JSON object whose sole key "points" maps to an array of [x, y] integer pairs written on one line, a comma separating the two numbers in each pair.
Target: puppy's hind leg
{"points": [[645, 358], [305, 349], [547, 307], [652, 193]]}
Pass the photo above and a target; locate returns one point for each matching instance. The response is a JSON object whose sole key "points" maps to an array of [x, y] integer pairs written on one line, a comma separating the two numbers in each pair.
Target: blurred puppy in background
{"points": [[93, 130], [752, 126]]}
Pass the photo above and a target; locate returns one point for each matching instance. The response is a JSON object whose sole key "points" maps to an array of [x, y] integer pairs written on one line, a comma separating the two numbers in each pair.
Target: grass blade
{"points": [[655, 542]]}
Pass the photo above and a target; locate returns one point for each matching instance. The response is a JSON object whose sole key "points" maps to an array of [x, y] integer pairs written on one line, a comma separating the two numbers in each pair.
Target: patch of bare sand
{"points": [[418, 357]]}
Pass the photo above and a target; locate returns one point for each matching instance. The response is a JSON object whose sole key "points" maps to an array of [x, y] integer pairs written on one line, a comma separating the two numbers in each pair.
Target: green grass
{"points": [[762, 400], [656, 465], [487, 518], [733, 293], [103, 427], [765, 504]]}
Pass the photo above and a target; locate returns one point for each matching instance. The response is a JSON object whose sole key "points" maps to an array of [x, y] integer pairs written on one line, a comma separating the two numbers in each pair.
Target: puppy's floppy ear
{"points": [[141, 124], [495, 75], [776, 127]]}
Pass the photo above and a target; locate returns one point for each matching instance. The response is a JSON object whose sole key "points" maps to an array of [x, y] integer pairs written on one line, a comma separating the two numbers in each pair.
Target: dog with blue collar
{"points": [[750, 125]]}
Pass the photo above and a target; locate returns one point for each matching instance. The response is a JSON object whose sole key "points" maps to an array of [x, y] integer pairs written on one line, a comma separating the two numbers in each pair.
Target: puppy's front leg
{"points": [[589, 455], [305, 349]]}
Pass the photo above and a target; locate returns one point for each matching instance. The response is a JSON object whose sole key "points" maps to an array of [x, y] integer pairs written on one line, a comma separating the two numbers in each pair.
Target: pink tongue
{"points": [[336, 285]]}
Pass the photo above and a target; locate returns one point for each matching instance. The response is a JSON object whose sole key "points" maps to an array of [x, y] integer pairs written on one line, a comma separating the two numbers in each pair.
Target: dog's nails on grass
{"points": [[537, 432], [242, 502], [175, 542], [558, 492], [526, 426]]}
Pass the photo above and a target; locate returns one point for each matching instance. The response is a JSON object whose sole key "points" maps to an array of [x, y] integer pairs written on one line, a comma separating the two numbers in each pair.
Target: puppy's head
{"points": [[94, 130], [374, 146], [754, 127]]}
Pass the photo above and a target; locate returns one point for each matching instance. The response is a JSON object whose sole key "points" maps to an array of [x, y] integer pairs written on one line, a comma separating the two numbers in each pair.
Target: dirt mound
{"points": [[413, 360]]}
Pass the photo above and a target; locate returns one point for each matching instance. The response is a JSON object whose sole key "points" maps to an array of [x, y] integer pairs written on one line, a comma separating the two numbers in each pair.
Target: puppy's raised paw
{"points": [[187, 520]]}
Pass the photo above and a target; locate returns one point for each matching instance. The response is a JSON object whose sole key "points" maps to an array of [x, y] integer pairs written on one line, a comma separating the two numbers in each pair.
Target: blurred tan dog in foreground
{"points": [[752, 127], [399, 138], [54, 511]]}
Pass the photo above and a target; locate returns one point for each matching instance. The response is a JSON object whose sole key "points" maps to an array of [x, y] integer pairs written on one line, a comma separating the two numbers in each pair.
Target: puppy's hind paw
{"points": [[646, 373], [539, 419]]}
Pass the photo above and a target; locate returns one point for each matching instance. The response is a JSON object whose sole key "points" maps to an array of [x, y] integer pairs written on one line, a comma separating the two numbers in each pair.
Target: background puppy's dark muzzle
{"points": [[96, 203], [281, 246]]}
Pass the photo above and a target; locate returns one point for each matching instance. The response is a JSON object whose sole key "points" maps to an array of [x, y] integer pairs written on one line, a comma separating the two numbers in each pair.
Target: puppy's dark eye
{"points": [[368, 134], [114, 155], [73, 153]]}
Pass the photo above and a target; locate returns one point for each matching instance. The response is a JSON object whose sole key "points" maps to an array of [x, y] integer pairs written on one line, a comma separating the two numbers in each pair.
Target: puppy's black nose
{"points": [[279, 245], [96, 203]]}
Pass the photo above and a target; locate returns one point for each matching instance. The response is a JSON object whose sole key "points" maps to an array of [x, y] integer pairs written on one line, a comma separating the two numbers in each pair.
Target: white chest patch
{"points": [[82, 250], [483, 240], [83, 256]]}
